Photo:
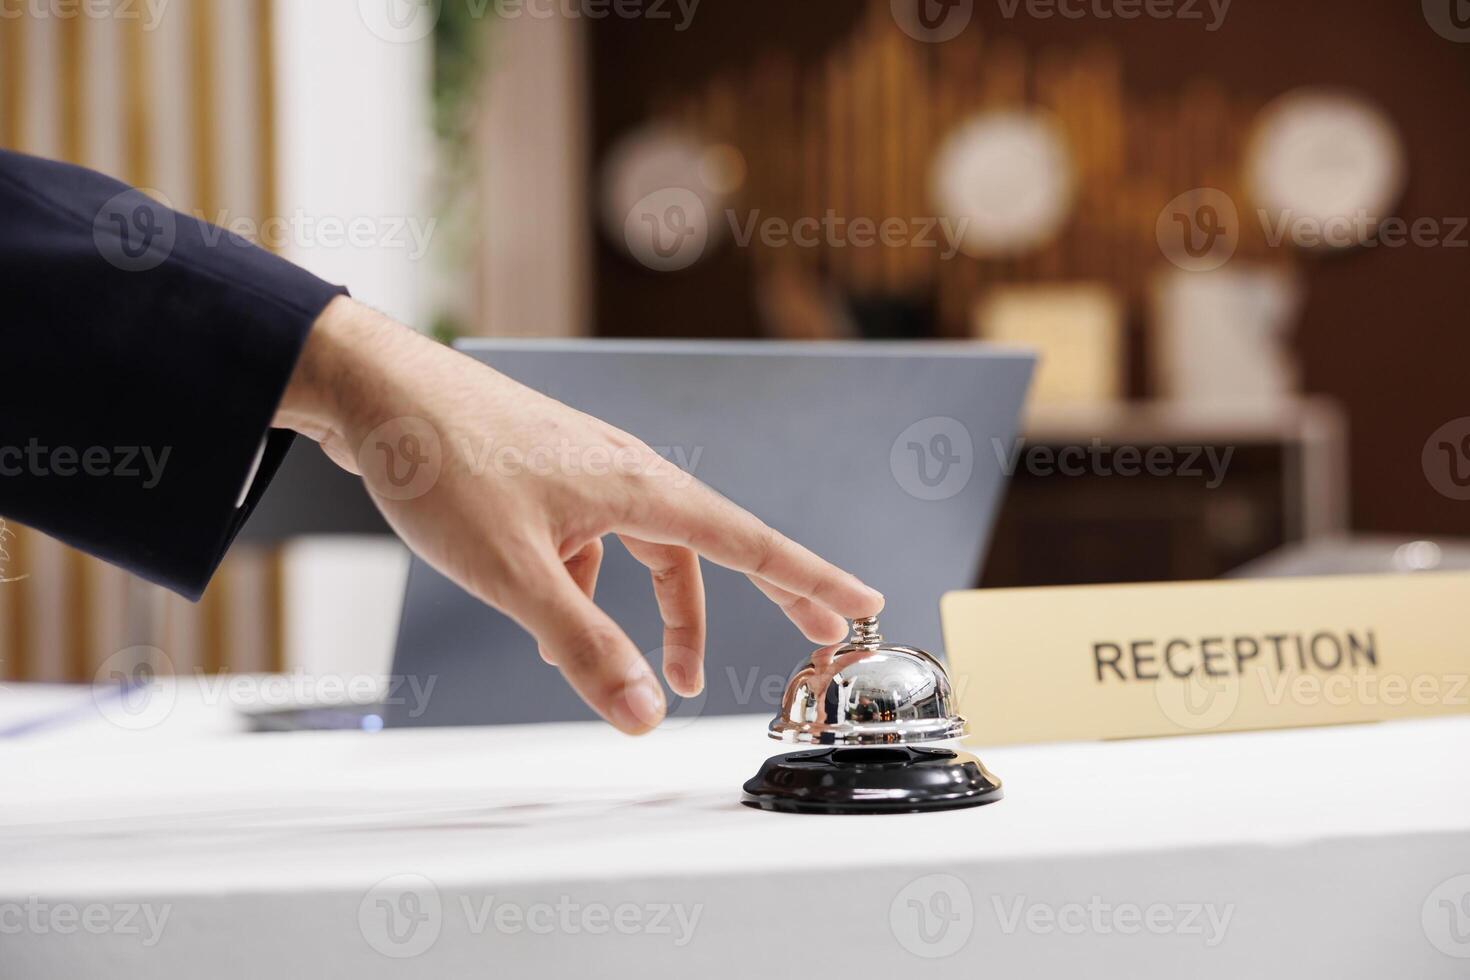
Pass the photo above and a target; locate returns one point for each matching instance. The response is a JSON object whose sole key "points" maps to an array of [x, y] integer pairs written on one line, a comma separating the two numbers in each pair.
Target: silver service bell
{"points": [[864, 704], [866, 692]]}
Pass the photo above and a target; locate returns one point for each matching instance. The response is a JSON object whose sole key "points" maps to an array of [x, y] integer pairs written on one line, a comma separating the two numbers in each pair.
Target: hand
{"points": [[509, 494]]}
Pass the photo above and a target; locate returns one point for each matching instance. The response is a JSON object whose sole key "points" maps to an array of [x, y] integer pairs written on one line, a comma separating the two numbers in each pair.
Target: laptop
{"points": [[885, 458]]}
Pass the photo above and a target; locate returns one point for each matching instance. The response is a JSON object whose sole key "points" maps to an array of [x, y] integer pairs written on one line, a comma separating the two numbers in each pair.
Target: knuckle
{"points": [[645, 499], [670, 572], [644, 474], [680, 640]]}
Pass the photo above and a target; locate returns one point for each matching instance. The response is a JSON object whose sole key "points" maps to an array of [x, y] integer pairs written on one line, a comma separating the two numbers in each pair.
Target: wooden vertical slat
{"points": [[813, 163], [102, 95], [69, 56], [839, 151], [211, 635], [135, 81], [275, 611], [230, 125], [107, 626], [44, 592], [202, 105], [79, 601], [40, 86], [890, 109], [183, 634], [12, 71], [866, 156], [919, 271], [16, 624], [265, 105], [170, 52], [251, 640]]}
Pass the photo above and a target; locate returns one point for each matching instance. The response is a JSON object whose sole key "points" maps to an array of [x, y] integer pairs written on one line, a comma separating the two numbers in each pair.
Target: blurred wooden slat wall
{"points": [[182, 106], [856, 131]]}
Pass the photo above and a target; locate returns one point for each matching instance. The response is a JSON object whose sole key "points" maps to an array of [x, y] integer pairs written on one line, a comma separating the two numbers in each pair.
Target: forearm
{"points": [[356, 371], [333, 359]]}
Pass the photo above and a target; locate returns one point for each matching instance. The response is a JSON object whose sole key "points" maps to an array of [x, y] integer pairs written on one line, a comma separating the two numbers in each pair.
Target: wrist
{"points": [[357, 369], [335, 361], [309, 403]]}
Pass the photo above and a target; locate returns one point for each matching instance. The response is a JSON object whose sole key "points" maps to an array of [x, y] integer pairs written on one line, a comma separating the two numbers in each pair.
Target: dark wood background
{"points": [[1385, 330]]}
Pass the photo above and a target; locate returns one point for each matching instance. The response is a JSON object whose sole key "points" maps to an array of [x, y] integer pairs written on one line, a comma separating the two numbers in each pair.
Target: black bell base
{"points": [[886, 779]]}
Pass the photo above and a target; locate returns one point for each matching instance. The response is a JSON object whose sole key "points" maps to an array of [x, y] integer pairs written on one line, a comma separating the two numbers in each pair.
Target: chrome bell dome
{"points": [[863, 692]]}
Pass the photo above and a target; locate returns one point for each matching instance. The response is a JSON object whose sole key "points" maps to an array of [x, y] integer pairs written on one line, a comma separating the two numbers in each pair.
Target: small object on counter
{"points": [[865, 704]]}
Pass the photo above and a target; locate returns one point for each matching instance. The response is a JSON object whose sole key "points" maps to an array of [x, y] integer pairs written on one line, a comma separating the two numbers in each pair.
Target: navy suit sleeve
{"points": [[144, 354]]}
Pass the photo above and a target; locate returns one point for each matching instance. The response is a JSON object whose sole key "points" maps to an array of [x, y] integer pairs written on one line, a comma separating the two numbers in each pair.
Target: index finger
{"points": [[699, 518]]}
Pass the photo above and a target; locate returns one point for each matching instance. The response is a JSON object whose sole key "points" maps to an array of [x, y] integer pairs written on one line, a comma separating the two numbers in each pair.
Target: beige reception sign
{"points": [[1123, 661]]}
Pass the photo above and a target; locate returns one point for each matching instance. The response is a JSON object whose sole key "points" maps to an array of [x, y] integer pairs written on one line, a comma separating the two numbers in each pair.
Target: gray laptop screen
{"points": [[887, 459]]}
